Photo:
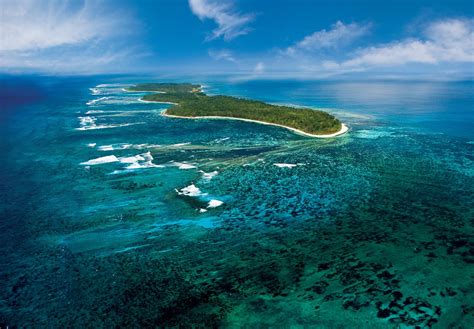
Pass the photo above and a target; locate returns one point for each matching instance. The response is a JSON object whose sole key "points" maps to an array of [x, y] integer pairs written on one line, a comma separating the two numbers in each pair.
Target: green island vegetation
{"points": [[192, 102]]}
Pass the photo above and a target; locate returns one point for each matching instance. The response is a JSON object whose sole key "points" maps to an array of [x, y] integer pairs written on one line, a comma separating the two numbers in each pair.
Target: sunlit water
{"points": [[115, 215]]}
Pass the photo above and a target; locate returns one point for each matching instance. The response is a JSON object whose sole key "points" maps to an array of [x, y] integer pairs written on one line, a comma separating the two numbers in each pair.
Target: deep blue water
{"points": [[113, 215]]}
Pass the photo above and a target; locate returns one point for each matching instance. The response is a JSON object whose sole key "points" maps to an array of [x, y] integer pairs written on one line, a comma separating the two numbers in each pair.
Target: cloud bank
{"points": [[443, 46], [337, 36], [450, 40], [223, 54], [55, 35]]}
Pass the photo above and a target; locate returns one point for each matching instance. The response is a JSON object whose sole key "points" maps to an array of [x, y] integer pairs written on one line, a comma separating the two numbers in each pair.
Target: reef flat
{"points": [[116, 216]]}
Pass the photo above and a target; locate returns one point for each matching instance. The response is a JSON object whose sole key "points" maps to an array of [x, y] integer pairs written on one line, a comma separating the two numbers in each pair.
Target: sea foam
{"points": [[101, 160], [97, 100], [109, 88], [114, 100], [132, 159], [208, 175], [214, 203], [108, 126], [94, 112], [190, 190], [124, 146], [220, 140], [106, 148], [285, 165], [183, 165], [141, 161]]}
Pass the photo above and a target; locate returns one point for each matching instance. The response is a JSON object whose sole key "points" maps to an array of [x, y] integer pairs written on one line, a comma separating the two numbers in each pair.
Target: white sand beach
{"points": [[344, 129]]}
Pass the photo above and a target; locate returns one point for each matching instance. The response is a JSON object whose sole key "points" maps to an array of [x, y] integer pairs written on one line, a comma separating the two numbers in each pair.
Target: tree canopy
{"points": [[191, 102]]}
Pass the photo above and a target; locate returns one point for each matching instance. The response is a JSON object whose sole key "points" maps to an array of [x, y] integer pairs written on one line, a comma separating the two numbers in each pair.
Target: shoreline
{"points": [[144, 101], [142, 91], [344, 129]]}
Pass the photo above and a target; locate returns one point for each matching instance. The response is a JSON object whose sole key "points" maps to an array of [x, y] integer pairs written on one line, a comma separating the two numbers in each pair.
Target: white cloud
{"points": [[447, 41], [259, 68], [398, 53], [222, 54], [443, 48], [77, 60], [339, 35], [230, 24], [55, 35], [30, 25]]}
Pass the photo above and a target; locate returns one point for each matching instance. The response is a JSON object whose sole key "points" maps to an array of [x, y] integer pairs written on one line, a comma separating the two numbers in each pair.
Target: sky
{"points": [[249, 39]]}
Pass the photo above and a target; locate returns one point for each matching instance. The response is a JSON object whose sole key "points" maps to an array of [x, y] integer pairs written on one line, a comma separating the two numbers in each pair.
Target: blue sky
{"points": [[249, 39]]}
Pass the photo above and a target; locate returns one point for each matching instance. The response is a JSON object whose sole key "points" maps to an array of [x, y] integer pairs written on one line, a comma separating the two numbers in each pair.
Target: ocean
{"points": [[115, 216]]}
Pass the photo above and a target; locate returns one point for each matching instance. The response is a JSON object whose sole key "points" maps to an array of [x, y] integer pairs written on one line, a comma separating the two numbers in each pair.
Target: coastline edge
{"points": [[344, 129]]}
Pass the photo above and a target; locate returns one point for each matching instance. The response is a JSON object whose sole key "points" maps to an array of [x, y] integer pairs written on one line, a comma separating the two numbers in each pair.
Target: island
{"points": [[190, 102]]}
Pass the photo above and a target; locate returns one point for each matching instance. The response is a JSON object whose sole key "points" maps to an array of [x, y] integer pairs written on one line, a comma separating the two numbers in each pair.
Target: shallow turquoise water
{"points": [[113, 215]]}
